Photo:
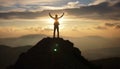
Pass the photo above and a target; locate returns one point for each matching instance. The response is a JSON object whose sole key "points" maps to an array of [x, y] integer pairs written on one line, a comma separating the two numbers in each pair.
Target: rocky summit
{"points": [[52, 53]]}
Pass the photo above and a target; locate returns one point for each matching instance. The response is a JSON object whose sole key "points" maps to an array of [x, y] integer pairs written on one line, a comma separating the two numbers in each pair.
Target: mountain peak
{"points": [[52, 53]]}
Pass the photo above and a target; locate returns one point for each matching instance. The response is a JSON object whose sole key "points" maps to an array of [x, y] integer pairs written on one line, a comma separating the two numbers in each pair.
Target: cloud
{"points": [[117, 5], [39, 6], [96, 2], [114, 25], [76, 4], [20, 15], [117, 27], [26, 5], [8, 29], [102, 11], [101, 27], [27, 14], [108, 26], [12, 31], [11, 9], [47, 29], [35, 29], [25, 2], [75, 28]]}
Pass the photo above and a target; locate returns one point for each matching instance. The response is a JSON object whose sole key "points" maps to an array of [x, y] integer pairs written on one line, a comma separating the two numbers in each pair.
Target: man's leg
{"points": [[54, 32], [58, 31]]}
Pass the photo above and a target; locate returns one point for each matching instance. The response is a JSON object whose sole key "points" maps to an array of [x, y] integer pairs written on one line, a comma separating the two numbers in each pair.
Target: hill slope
{"points": [[52, 53]]}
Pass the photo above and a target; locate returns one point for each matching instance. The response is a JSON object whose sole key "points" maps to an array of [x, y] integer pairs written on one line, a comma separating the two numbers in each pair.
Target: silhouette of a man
{"points": [[56, 24]]}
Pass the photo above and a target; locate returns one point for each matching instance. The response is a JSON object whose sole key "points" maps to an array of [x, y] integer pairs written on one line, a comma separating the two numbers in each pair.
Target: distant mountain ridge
{"points": [[87, 42], [9, 55], [22, 41]]}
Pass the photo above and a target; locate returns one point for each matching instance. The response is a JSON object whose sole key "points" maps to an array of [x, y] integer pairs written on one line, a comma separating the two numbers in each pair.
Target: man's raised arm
{"points": [[61, 15], [51, 16]]}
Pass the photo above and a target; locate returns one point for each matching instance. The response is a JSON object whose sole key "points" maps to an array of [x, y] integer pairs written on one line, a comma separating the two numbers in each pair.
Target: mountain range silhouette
{"points": [[52, 53]]}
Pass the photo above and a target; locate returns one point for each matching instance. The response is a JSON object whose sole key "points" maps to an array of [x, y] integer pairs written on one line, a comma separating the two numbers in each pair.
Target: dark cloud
{"points": [[110, 24], [115, 25], [101, 27], [22, 15], [117, 5], [107, 26], [101, 11], [26, 14]]}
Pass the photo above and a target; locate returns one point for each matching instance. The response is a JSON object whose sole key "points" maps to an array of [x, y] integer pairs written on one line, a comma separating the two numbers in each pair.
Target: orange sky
{"points": [[82, 18], [68, 27]]}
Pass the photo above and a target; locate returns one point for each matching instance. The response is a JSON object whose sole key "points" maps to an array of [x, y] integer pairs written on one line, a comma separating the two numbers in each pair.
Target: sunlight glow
{"points": [[52, 20], [61, 20]]}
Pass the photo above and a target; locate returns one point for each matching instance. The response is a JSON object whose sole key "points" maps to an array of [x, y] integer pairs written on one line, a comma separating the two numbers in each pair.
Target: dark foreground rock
{"points": [[52, 53]]}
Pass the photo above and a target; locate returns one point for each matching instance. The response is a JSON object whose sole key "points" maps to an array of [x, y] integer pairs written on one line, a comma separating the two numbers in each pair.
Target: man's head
{"points": [[56, 15]]}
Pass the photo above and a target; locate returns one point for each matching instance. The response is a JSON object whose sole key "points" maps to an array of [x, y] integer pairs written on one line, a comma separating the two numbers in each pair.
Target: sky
{"points": [[89, 24], [82, 17]]}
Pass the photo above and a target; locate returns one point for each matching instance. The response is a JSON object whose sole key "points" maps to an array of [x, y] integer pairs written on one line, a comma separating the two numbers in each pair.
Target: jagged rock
{"points": [[52, 53]]}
